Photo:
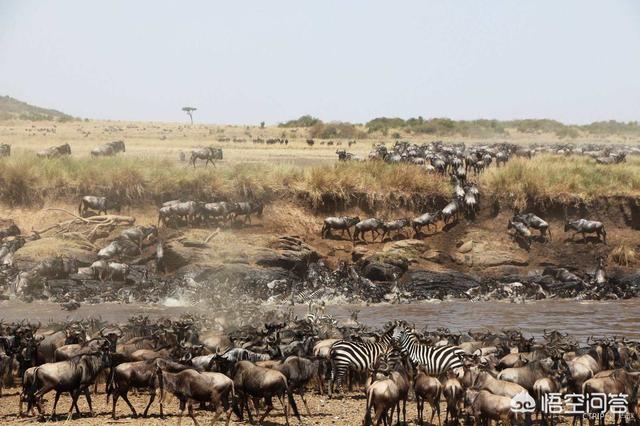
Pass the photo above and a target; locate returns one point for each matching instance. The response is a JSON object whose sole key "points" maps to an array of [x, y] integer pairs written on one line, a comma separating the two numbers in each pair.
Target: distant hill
{"points": [[11, 108]]}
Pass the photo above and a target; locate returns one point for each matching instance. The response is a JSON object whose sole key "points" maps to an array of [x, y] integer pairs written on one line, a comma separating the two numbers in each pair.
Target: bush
{"points": [[335, 130], [304, 121]]}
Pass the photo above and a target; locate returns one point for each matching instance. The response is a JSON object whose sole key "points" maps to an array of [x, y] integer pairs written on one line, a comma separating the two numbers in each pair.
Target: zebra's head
{"points": [[400, 331]]}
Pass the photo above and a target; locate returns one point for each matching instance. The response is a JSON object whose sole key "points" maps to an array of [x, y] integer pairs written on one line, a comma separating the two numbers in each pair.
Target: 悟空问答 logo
{"points": [[523, 403]]}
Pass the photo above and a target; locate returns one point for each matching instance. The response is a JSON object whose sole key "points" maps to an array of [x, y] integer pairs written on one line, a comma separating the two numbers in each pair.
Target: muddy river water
{"points": [[581, 319]]}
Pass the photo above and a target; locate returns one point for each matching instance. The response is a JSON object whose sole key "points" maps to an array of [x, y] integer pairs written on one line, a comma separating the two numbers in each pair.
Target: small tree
{"points": [[262, 124], [189, 111]]}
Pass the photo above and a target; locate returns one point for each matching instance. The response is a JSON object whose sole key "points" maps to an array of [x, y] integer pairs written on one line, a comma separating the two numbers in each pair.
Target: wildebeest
{"points": [[501, 157], [139, 375], [256, 382], [220, 211], [209, 154], [343, 223], [450, 211], [5, 150], [49, 344], [394, 225], [483, 405], [187, 211], [533, 221], [98, 204], [453, 394], [521, 232], [55, 151], [612, 159], [343, 155], [429, 389], [188, 386], [74, 376], [371, 224], [426, 219], [138, 234], [298, 371], [108, 149], [470, 203], [616, 382], [583, 226], [247, 208], [382, 395]]}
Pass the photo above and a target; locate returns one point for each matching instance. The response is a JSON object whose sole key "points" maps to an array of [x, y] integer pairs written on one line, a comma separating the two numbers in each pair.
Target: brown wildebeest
{"points": [[256, 382]]}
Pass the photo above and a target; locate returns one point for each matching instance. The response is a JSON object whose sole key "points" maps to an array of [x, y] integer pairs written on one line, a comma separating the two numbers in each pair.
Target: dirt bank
{"points": [[283, 244]]}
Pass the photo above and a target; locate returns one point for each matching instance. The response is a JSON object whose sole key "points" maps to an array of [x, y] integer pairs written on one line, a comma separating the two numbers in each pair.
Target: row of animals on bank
{"points": [[207, 154], [520, 225], [172, 213], [435, 156], [458, 159], [176, 212], [475, 375]]}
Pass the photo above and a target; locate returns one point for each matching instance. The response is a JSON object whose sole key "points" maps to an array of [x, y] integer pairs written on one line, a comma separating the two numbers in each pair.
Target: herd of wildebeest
{"points": [[240, 367], [457, 160]]}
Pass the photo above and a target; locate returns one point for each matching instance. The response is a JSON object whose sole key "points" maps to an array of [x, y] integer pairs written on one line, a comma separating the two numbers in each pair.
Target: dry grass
{"points": [[28, 180], [624, 255], [150, 172], [561, 179]]}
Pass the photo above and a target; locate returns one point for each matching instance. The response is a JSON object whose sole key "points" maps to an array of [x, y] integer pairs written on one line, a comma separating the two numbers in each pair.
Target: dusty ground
{"points": [[324, 411]]}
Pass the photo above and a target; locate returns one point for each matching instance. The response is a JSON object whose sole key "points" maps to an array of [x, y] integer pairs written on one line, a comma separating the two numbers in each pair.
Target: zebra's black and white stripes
{"points": [[356, 356], [435, 359]]}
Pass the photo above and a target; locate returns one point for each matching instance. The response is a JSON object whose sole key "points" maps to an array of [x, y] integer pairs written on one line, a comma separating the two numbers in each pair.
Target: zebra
{"points": [[356, 356], [436, 360]]}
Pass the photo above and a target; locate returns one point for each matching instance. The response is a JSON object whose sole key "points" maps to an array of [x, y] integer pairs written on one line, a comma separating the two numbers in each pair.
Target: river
{"points": [[580, 319]]}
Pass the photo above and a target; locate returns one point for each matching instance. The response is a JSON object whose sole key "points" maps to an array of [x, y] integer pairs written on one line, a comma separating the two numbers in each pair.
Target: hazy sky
{"points": [[248, 61]]}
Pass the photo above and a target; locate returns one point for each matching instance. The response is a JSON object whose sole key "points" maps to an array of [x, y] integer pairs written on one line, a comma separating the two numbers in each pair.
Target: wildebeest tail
{"points": [[367, 411], [324, 229], [80, 207], [111, 383], [29, 387]]}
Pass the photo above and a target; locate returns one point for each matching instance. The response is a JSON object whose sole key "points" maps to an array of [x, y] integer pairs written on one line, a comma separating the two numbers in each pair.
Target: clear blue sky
{"points": [[247, 61]]}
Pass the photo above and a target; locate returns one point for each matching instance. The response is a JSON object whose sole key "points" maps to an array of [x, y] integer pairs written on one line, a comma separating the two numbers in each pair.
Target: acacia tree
{"points": [[189, 111]]}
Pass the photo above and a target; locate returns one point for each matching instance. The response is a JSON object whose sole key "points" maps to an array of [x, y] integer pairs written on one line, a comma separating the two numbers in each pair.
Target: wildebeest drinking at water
{"points": [[583, 226]]}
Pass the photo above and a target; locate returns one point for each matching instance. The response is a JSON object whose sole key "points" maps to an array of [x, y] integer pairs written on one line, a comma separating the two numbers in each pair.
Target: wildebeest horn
{"points": [[101, 331]]}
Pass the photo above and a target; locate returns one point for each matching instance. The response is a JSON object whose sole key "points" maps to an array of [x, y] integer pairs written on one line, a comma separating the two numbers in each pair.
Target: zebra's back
{"points": [[358, 356], [437, 360]]}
